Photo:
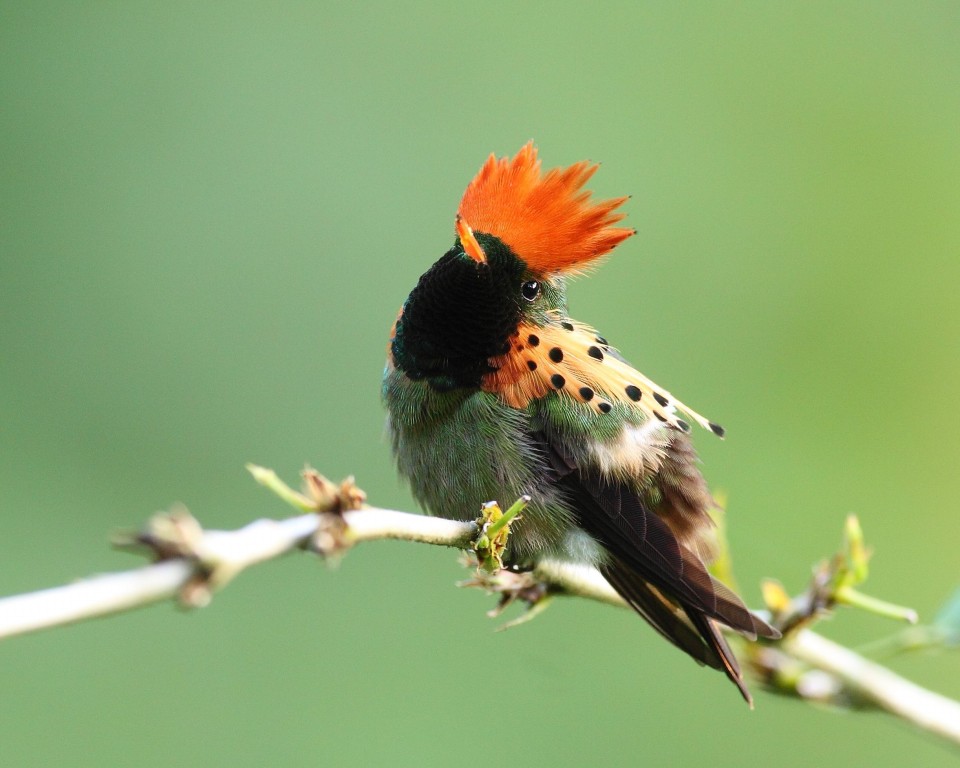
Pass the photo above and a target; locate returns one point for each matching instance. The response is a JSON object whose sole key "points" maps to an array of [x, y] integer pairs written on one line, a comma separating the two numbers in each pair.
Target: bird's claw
{"points": [[494, 525]]}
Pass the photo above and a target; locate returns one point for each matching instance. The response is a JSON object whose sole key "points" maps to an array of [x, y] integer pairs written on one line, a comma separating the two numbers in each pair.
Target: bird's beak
{"points": [[470, 245]]}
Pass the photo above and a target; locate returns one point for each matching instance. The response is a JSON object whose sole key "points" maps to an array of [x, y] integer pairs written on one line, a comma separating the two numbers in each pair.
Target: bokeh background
{"points": [[209, 215]]}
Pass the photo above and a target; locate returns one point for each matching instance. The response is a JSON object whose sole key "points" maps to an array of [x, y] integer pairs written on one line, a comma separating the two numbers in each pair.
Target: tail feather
{"points": [[687, 628], [669, 620], [710, 632], [651, 567]]}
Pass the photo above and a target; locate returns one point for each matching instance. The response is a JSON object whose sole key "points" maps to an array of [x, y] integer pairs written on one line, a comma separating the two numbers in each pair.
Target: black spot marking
{"points": [[659, 415], [556, 354], [633, 392], [566, 326], [605, 407], [683, 425], [717, 429], [558, 381], [586, 393], [595, 353], [601, 340], [533, 340], [661, 399], [532, 365]]}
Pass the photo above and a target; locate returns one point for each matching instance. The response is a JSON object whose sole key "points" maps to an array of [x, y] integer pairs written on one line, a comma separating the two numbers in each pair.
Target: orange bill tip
{"points": [[470, 245]]}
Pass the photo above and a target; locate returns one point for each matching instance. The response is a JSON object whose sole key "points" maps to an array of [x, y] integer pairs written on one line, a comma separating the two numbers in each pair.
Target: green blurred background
{"points": [[209, 215]]}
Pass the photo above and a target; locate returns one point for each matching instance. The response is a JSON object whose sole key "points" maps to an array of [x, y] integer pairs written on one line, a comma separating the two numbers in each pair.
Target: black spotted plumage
{"points": [[494, 391]]}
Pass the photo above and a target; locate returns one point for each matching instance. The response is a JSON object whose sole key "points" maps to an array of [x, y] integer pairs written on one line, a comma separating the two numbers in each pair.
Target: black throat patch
{"points": [[460, 314]]}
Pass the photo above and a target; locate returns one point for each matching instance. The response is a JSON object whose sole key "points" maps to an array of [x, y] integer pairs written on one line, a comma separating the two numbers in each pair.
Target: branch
{"points": [[193, 563], [879, 686], [219, 555]]}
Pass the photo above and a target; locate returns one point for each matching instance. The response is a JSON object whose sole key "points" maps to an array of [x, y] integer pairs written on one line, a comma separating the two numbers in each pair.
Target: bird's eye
{"points": [[530, 290]]}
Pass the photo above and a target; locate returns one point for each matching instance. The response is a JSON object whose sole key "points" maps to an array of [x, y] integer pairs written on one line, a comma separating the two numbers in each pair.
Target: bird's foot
{"points": [[494, 525]]}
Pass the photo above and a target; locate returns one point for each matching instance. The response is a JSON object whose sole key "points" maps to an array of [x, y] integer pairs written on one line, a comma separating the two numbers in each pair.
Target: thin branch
{"points": [[879, 686], [225, 552], [195, 562], [577, 581], [117, 592], [96, 596]]}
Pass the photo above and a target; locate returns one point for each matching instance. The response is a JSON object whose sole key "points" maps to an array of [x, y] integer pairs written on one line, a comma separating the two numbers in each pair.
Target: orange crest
{"points": [[548, 220]]}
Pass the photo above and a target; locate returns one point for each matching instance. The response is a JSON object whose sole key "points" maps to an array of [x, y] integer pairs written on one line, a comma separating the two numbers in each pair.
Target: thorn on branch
{"points": [[178, 535], [329, 497], [321, 495], [330, 500], [332, 538], [833, 582], [511, 586]]}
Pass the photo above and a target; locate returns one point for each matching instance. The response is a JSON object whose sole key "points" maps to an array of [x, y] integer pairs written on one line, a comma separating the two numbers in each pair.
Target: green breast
{"points": [[461, 448]]}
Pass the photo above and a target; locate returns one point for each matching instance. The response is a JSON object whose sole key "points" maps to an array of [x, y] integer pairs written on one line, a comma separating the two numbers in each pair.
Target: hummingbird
{"points": [[492, 391]]}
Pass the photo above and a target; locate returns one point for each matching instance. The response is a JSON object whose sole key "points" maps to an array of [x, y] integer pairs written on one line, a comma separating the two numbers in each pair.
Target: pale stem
{"points": [[234, 551]]}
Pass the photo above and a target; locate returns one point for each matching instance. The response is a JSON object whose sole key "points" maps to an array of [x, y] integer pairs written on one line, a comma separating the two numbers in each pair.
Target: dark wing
{"points": [[663, 580]]}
